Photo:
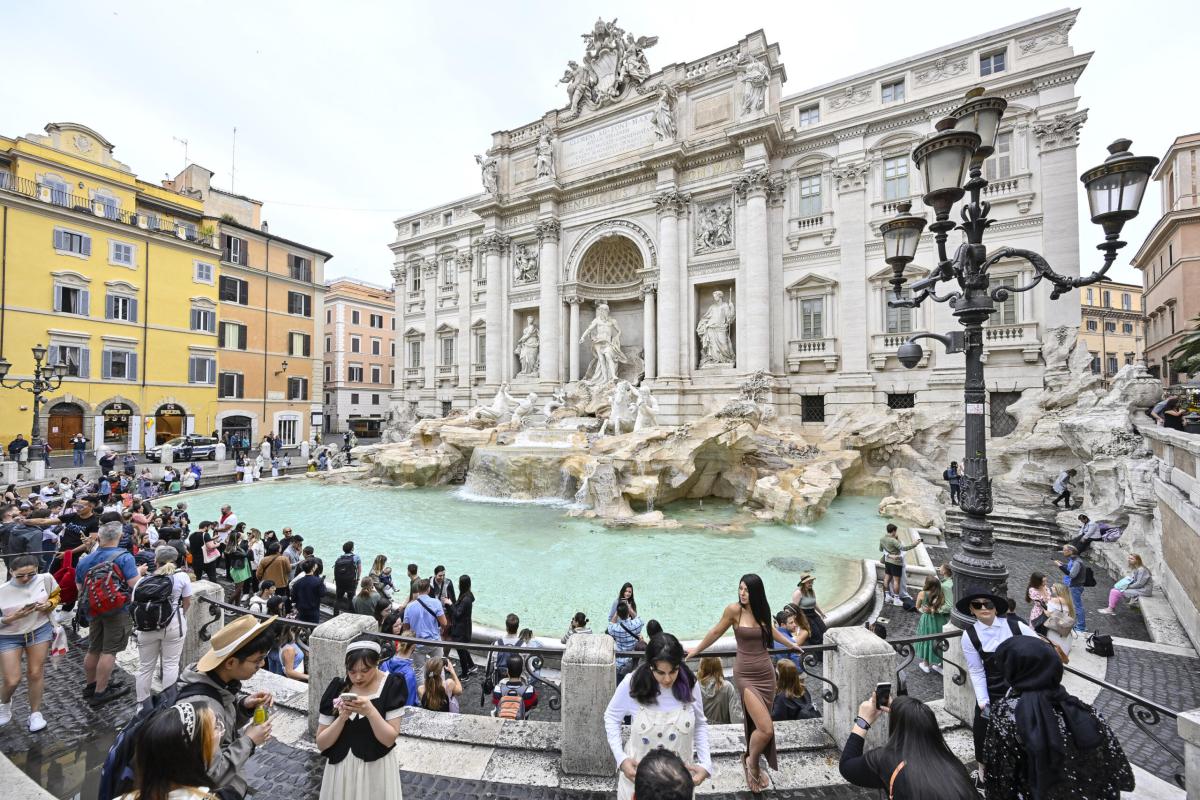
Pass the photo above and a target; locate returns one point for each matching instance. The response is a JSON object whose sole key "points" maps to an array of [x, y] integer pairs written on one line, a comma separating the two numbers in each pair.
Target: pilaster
{"points": [[670, 204], [493, 245], [549, 305], [462, 272], [429, 278], [1057, 139]]}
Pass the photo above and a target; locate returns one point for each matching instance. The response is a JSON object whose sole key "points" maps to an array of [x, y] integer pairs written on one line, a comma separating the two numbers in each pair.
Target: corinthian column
{"points": [[573, 341], [755, 328], [462, 271], [649, 339], [429, 276], [670, 204], [1056, 141], [549, 306], [493, 245]]}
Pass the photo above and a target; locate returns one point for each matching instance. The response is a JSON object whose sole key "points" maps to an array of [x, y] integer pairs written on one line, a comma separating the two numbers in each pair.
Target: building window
{"points": [[375, 400], [231, 384], [72, 243], [298, 344], [898, 320], [810, 116], [893, 92], [447, 351], [1006, 312], [376, 374], [414, 353], [1127, 327], [188, 229], [77, 359], [328, 378], [233, 336], [71, 300], [202, 369], [376, 347], [1091, 298], [1129, 358], [109, 205], [60, 190], [354, 318], [1091, 324], [377, 321], [328, 316], [1107, 298], [289, 427], [480, 349], [1095, 365], [812, 408], [1111, 363], [233, 250], [355, 344], [120, 254], [392, 380], [204, 320], [1126, 301], [202, 272], [297, 389], [415, 227], [1110, 327], [299, 268], [991, 63], [999, 164], [908, 400], [234, 290], [895, 178], [448, 218], [1002, 422], [354, 374], [414, 277], [328, 344], [120, 307], [810, 196], [327, 397], [812, 318], [447, 272], [118, 365], [299, 304], [354, 398]]}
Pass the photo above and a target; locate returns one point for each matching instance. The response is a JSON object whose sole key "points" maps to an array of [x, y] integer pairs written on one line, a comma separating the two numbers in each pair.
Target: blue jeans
{"points": [[1077, 599], [77, 457]]}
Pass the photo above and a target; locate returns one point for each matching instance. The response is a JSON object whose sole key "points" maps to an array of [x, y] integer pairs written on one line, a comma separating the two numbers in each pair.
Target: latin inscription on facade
{"points": [[611, 196], [710, 111], [612, 140]]}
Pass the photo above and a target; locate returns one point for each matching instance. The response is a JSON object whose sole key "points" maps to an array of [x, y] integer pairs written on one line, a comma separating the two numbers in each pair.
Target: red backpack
{"points": [[65, 576], [105, 589]]}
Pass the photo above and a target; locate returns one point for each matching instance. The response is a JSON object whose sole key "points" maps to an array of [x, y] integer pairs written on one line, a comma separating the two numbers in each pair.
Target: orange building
{"points": [[269, 322], [359, 350]]}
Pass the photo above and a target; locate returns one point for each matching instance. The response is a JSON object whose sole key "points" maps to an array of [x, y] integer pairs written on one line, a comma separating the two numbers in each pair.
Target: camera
{"points": [[910, 354]]}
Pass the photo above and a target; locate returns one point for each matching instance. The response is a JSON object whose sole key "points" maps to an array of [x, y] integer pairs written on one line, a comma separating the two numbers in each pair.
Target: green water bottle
{"points": [[260, 714]]}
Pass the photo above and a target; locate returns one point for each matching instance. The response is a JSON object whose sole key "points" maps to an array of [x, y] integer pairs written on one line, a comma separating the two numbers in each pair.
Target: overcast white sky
{"points": [[351, 114]]}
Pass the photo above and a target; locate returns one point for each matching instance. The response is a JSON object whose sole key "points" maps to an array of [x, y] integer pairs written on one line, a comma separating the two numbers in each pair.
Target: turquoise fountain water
{"points": [[535, 560]]}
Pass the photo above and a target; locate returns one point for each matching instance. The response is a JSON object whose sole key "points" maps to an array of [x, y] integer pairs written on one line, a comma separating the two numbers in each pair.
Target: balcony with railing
{"points": [[447, 372], [883, 210], [822, 351], [1010, 189], [1022, 336], [884, 345], [103, 208], [800, 228]]}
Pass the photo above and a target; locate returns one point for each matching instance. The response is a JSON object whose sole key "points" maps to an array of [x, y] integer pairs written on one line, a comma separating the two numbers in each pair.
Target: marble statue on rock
{"points": [[524, 410], [646, 415], [581, 84], [501, 405], [663, 118], [621, 409], [528, 347], [716, 349], [556, 401], [755, 77], [525, 264], [545, 154], [489, 173], [606, 348]]}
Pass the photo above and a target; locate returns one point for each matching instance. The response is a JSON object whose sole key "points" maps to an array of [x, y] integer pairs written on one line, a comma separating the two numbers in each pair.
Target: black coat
{"points": [[460, 618]]}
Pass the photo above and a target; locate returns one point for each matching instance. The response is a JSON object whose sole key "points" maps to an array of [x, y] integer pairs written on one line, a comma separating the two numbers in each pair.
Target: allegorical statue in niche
{"points": [[545, 153], [755, 77], [663, 118], [528, 347], [489, 173], [525, 264], [713, 330], [606, 348]]}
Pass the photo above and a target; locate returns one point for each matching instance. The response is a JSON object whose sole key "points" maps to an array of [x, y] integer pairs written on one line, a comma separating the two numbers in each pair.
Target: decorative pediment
{"points": [[202, 302], [913, 273], [446, 327], [121, 286], [70, 277], [813, 283], [479, 325], [413, 333]]}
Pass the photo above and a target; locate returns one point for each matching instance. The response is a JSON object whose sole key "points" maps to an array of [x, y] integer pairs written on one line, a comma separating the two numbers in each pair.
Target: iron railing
{"points": [[941, 643]]}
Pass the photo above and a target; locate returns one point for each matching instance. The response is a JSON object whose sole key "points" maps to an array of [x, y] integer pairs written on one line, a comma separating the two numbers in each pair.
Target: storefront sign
{"points": [[170, 410]]}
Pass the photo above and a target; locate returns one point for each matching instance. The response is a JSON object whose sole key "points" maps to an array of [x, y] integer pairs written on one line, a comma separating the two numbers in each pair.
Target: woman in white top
{"points": [[26, 601], [166, 643], [672, 719], [172, 753]]}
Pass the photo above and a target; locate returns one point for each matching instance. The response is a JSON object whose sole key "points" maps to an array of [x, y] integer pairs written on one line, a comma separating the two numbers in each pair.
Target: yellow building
{"points": [[1112, 325], [118, 278]]}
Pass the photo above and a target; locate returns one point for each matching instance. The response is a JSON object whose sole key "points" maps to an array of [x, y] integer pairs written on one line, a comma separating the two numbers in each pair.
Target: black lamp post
{"points": [[45, 379], [963, 142]]}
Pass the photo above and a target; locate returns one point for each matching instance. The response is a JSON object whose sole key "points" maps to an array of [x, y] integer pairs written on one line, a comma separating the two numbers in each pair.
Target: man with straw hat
{"points": [[238, 651]]}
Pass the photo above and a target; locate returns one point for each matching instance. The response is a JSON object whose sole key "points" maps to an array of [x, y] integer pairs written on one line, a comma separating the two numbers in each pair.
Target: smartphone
{"points": [[883, 695], [348, 697]]}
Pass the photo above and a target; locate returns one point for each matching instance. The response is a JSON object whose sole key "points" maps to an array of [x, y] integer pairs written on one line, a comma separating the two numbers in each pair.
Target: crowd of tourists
{"points": [[125, 570]]}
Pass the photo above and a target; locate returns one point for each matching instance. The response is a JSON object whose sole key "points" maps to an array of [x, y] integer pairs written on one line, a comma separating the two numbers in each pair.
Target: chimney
{"points": [[264, 227]]}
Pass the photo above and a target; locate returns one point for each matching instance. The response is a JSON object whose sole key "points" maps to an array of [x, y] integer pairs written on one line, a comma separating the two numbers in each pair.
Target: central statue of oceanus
{"points": [[606, 348]]}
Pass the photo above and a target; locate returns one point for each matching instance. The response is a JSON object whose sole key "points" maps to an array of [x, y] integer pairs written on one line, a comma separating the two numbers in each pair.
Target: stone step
{"points": [[1020, 530]]}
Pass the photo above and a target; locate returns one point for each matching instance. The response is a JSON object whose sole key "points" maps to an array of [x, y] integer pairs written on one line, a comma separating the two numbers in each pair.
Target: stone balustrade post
{"points": [[960, 700], [37, 469], [196, 616], [861, 661], [589, 678], [327, 655], [8, 472], [1189, 731]]}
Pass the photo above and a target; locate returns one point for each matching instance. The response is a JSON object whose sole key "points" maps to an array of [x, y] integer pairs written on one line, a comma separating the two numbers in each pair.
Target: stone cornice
{"points": [[833, 253]]}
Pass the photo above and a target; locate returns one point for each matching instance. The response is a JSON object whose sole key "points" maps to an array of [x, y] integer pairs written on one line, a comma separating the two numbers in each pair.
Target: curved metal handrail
{"points": [[941, 643]]}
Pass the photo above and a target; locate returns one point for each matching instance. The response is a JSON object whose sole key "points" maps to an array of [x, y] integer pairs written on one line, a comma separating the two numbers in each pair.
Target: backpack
{"points": [[1109, 533], [1089, 577], [275, 661], [105, 589], [344, 569], [116, 775], [1101, 644], [512, 702], [152, 605], [24, 539]]}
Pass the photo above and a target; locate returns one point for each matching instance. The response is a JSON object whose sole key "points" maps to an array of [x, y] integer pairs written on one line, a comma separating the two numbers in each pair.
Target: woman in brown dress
{"points": [[753, 671]]}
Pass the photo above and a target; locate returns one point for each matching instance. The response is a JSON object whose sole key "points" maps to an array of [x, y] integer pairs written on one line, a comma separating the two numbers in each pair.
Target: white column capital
{"points": [[1059, 132]]}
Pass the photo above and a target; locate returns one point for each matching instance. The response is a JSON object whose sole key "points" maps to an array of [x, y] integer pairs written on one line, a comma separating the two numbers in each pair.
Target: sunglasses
{"points": [[982, 604]]}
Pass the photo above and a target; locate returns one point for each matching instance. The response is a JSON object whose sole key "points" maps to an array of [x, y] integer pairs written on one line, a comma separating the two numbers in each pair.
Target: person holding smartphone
{"points": [[915, 762], [357, 728], [26, 600]]}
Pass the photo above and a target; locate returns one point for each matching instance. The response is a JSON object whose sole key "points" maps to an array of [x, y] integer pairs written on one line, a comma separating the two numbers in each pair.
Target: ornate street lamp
{"points": [[45, 379], [964, 141]]}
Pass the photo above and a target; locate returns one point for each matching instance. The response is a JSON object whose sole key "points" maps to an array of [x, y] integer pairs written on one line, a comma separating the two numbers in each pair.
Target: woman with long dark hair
{"points": [[172, 753], [914, 764], [460, 623], [1043, 742], [441, 687], [358, 726], [667, 710], [753, 671], [625, 594]]}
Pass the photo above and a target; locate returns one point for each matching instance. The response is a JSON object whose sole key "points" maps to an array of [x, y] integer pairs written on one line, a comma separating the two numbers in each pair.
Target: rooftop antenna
{"points": [[233, 161], [183, 142]]}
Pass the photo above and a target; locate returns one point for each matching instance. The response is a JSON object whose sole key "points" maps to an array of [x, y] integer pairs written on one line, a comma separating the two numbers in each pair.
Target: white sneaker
{"points": [[5, 713], [36, 722], [924, 667], [896, 601], [936, 668], [1108, 612]]}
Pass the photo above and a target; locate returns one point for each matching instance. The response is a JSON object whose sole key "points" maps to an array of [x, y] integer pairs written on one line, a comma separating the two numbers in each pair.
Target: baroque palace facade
{"points": [[727, 227]]}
